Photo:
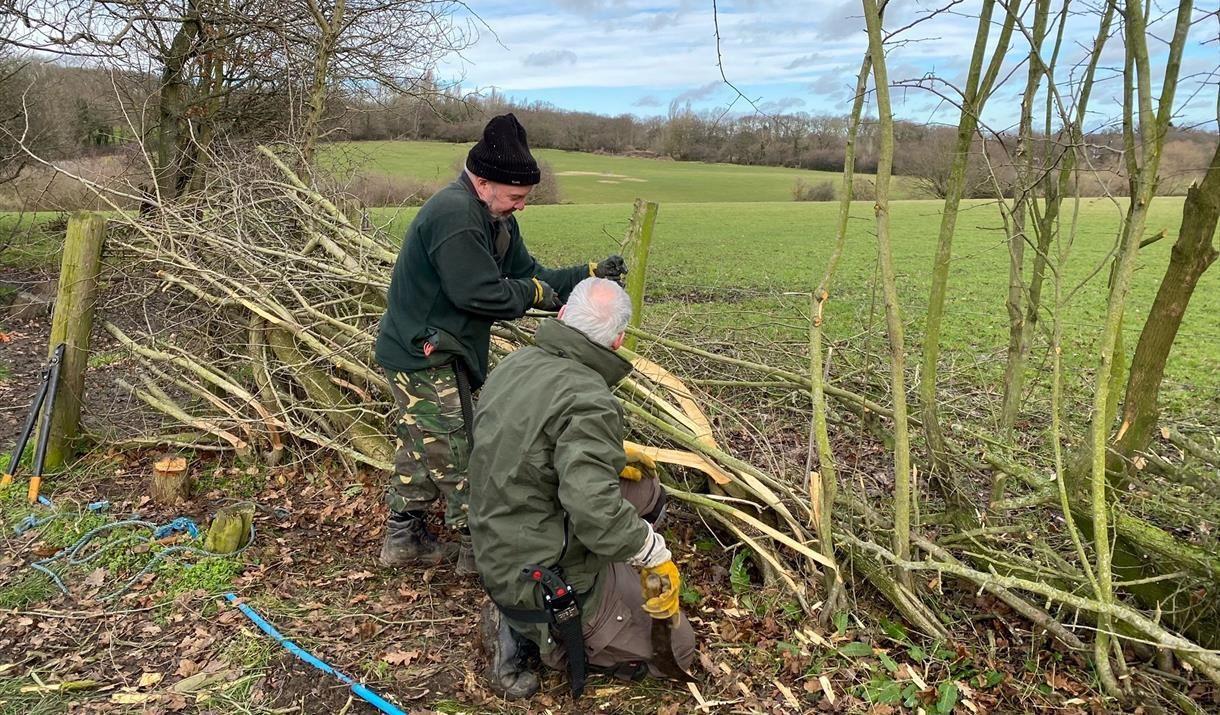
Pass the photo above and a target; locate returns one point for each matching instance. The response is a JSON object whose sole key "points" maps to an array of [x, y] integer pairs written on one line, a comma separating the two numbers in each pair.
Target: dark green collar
{"points": [[564, 341]]}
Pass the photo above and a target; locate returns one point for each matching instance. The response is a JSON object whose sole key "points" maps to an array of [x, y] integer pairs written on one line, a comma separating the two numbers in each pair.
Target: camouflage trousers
{"points": [[433, 447]]}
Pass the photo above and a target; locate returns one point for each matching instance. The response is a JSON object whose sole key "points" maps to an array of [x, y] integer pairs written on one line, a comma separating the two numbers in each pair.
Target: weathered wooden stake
{"points": [[71, 323], [635, 247], [230, 529], [171, 480]]}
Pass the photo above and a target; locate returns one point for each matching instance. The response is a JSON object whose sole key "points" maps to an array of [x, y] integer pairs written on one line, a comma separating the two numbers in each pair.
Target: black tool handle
{"points": [[44, 432]]}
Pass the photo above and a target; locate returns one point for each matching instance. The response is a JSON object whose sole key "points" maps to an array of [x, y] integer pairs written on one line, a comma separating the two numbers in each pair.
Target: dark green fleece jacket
{"points": [[459, 271], [544, 486]]}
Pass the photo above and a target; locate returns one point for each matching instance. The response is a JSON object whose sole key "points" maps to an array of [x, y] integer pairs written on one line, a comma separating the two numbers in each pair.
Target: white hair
{"points": [[599, 308]]}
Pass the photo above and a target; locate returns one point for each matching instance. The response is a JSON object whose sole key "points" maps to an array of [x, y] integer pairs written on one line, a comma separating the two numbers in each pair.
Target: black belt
{"points": [[561, 611]]}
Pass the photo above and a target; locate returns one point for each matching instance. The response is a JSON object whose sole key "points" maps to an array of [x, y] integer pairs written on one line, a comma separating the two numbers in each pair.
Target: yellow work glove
{"points": [[636, 456], [661, 584]]}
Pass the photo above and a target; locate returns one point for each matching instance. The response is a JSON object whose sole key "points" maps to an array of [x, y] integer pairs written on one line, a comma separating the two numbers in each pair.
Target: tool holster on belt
{"points": [[561, 610], [440, 348]]}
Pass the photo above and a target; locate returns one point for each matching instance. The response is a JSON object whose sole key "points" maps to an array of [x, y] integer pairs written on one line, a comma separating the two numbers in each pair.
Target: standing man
{"points": [[462, 267], [554, 513]]}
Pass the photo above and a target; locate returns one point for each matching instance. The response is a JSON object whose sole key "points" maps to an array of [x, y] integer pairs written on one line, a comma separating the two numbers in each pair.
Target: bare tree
{"points": [[254, 69]]}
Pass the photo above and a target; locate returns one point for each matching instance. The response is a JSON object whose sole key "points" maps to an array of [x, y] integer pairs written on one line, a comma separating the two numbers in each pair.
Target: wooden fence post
{"points": [[635, 248], [71, 323]]}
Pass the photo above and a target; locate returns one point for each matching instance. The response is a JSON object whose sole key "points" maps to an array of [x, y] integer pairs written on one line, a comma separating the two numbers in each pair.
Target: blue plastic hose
{"points": [[357, 687]]}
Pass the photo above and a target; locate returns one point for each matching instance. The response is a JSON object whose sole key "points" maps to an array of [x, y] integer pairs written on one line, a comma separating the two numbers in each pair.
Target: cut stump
{"points": [[171, 481]]}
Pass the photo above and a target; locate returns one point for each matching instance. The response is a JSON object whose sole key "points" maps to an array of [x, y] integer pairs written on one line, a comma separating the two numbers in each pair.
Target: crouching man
{"points": [[558, 534]]}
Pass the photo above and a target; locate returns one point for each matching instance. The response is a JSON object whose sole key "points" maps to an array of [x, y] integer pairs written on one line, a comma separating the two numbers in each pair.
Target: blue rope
{"points": [[33, 522], [71, 555], [356, 686]]}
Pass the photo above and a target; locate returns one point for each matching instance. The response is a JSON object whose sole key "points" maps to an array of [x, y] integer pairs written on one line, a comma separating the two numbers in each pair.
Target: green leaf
{"points": [[888, 662], [917, 654], [910, 695], [690, 595], [895, 631], [706, 545], [992, 678], [883, 690], [785, 647], [947, 698], [856, 649], [840, 621], [739, 577]]}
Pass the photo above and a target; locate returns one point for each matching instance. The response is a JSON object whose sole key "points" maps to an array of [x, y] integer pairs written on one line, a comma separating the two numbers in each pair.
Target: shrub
{"points": [[863, 189], [821, 191], [38, 188], [377, 189], [546, 192]]}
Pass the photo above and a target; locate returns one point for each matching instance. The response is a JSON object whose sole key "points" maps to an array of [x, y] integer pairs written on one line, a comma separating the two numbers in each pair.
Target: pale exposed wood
{"points": [[171, 480]]}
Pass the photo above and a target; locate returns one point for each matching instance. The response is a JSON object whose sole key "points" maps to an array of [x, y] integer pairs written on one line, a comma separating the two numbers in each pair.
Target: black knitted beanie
{"points": [[503, 155]]}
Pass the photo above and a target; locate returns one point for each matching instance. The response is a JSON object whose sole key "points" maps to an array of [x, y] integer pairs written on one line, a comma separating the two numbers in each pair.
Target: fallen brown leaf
{"points": [[400, 657]]}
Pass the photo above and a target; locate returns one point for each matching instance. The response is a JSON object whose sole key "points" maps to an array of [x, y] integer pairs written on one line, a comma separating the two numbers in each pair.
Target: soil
{"points": [[109, 410], [166, 647]]}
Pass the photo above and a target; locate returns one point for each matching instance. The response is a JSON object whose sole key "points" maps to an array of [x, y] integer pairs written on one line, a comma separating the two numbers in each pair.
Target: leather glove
{"points": [[638, 464], [661, 585], [545, 297], [613, 268]]}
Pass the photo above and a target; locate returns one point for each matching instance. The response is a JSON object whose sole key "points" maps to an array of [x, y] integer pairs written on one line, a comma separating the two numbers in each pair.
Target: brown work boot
{"points": [[465, 556], [407, 541], [508, 669]]}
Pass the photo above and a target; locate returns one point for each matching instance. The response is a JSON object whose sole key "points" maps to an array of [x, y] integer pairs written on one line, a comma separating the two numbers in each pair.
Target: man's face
{"points": [[502, 199]]}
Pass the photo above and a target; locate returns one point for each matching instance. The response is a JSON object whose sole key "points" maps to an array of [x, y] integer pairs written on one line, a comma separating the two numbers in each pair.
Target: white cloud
{"points": [[769, 49], [550, 58]]}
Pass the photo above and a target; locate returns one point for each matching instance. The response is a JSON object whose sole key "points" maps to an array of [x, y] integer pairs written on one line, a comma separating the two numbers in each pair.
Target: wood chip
{"points": [[129, 698], [796, 704], [697, 695], [913, 675], [150, 679], [829, 691]]}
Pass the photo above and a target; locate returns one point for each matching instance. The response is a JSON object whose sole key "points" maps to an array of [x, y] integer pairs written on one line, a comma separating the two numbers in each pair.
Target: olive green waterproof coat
{"points": [[544, 487]]}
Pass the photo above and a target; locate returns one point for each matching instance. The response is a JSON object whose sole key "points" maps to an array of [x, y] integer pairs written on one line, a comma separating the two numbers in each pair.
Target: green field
{"points": [[742, 270], [599, 179], [723, 270]]}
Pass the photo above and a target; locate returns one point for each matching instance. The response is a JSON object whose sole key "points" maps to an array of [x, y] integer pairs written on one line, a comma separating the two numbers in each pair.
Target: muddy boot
{"points": [[465, 557], [408, 541], [508, 670]]}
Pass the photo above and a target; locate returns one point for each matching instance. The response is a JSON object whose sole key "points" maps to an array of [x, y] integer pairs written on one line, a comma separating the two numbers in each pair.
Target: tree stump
{"points": [[171, 481], [230, 529]]}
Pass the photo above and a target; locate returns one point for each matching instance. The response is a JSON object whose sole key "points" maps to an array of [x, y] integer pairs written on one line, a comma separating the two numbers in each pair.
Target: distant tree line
{"points": [[69, 112], [798, 140]]}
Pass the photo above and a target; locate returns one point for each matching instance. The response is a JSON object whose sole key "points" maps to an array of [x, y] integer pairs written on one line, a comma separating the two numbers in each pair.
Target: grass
{"points": [[601, 179], [734, 258], [15, 702], [749, 268], [105, 358], [24, 243]]}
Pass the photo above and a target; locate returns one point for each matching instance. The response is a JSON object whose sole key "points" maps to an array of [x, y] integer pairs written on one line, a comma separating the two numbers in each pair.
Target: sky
{"points": [[639, 56]]}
